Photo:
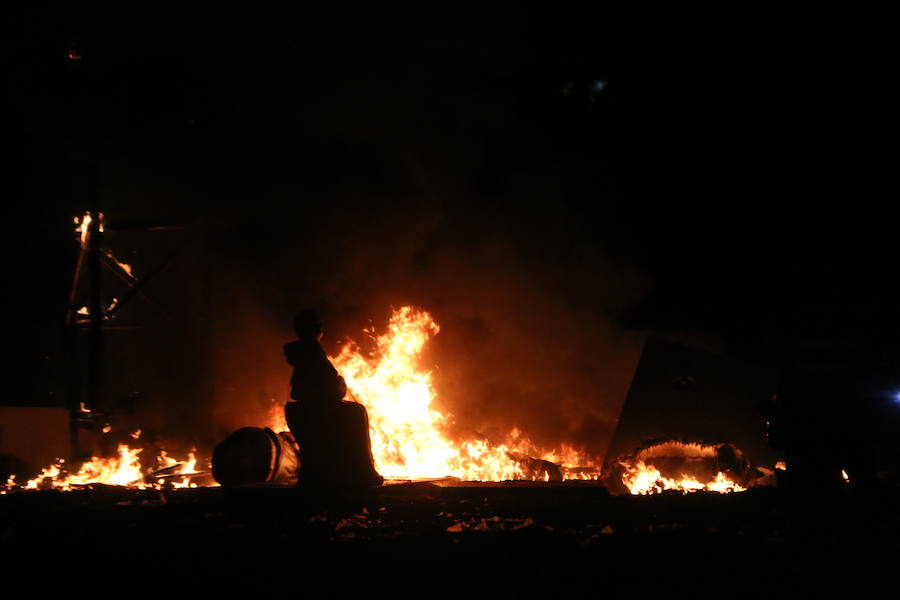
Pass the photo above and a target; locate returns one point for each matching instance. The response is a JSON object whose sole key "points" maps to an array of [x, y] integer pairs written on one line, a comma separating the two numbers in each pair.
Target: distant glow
{"points": [[600, 85], [896, 397]]}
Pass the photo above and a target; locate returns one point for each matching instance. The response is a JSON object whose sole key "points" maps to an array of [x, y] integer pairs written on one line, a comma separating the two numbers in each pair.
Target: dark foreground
{"points": [[422, 538]]}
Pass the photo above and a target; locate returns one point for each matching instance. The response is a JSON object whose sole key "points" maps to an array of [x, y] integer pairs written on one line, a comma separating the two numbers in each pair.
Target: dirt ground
{"points": [[428, 538]]}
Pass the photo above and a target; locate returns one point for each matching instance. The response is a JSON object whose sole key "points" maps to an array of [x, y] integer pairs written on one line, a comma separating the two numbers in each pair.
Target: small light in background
{"points": [[600, 85]]}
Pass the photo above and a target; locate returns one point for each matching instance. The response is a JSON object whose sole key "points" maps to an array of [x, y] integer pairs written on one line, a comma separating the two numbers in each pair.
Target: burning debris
{"points": [[410, 438], [684, 466], [123, 470]]}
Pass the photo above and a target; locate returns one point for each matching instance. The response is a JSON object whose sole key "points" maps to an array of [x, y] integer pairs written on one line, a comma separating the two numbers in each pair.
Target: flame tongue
{"points": [[661, 467], [409, 436], [641, 479], [123, 470], [406, 433]]}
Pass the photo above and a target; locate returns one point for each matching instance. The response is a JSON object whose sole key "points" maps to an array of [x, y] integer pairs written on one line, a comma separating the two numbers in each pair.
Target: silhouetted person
{"points": [[333, 434], [825, 417]]}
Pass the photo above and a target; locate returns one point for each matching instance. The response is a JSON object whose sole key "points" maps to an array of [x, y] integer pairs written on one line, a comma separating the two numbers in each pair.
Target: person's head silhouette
{"points": [[307, 325]]}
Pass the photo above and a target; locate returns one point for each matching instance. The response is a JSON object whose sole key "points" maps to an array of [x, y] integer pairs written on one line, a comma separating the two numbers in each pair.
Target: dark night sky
{"points": [[720, 184]]}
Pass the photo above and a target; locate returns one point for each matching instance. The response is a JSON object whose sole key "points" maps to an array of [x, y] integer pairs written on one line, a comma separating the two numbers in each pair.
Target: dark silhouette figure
{"points": [[824, 418], [333, 434], [828, 417]]}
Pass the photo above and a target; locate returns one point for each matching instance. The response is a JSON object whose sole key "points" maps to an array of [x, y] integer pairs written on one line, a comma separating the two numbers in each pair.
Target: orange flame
{"points": [[187, 468], [122, 470], [641, 479], [641, 476], [276, 418], [83, 227], [409, 436]]}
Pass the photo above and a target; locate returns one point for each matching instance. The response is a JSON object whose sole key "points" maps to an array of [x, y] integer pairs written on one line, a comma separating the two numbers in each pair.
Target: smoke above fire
{"points": [[528, 334]]}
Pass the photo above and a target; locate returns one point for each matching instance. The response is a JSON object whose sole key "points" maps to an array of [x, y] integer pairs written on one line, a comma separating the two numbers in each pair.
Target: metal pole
{"points": [[95, 307]]}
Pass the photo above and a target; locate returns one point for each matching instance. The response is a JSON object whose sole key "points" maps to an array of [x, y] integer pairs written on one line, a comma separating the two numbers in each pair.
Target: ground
{"points": [[501, 536]]}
